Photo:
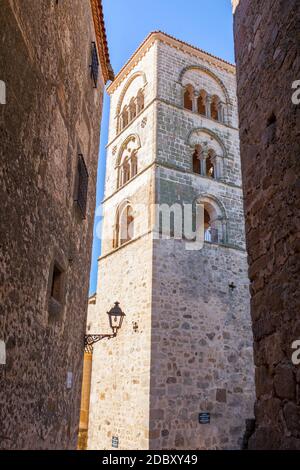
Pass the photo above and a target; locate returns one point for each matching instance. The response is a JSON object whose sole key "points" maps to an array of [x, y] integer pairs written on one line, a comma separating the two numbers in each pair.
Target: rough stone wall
{"points": [[201, 349], [268, 62], [192, 351], [52, 113], [119, 402]]}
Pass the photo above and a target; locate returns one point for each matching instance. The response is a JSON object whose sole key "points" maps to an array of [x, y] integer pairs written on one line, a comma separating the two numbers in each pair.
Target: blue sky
{"points": [[203, 23]]}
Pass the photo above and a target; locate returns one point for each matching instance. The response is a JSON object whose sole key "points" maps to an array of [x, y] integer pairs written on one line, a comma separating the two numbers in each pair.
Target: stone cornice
{"points": [[173, 42], [169, 166], [129, 242], [128, 182], [209, 245], [172, 105], [175, 168]]}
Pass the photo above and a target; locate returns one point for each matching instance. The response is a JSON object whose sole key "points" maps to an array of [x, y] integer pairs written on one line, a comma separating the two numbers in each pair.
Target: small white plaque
{"points": [[2, 352], [69, 379]]}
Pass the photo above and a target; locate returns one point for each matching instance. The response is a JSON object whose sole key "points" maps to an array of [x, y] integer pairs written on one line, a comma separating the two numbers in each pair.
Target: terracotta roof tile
{"points": [[101, 40]]}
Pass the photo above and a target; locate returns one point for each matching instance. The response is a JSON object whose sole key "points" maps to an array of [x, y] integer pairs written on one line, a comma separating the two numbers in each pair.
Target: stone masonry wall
{"points": [[268, 62], [52, 114], [192, 350], [201, 349], [201, 346], [119, 403], [171, 77], [120, 393]]}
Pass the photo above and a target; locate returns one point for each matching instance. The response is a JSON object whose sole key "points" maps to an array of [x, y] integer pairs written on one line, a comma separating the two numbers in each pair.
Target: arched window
{"points": [[133, 165], [188, 97], [196, 160], [127, 161], [125, 117], [207, 227], [132, 109], [132, 92], [204, 162], [215, 221], [214, 108], [203, 78], [125, 171], [201, 103], [124, 230], [210, 168], [128, 169], [136, 105], [211, 231], [212, 154], [140, 101]]}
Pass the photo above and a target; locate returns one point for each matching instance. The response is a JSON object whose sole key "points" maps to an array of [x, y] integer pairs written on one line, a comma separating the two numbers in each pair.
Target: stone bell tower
{"points": [[179, 374]]}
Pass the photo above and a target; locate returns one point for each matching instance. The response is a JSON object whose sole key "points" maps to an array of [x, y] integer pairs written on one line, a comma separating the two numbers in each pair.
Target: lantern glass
{"points": [[115, 316]]}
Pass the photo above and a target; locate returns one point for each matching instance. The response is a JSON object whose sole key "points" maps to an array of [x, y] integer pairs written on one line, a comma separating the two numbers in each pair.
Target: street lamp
{"points": [[116, 316]]}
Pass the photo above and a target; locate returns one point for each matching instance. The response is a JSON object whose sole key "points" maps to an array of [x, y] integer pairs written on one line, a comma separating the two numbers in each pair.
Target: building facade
{"points": [[54, 63], [268, 73], [179, 374]]}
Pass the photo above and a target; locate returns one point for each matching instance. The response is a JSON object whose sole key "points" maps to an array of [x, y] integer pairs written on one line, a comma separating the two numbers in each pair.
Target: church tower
{"points": [[179, 373]]}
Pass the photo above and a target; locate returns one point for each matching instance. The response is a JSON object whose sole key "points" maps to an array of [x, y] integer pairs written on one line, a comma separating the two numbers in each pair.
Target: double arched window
{"points": [[127, 169], [131, 110], [205, 162], [127, 164], [203, 103], [208, 153], [124, 226]]}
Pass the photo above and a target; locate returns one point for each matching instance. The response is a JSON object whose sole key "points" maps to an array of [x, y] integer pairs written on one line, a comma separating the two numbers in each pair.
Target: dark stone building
{"points": [[49, 140], [268, 63]]}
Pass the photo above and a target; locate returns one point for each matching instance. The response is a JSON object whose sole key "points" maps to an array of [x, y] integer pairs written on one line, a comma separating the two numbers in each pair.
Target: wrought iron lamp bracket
{"points": [[90, 340]]}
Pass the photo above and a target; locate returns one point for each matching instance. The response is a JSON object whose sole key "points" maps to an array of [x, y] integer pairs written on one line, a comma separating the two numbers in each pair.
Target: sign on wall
{"points": [[2, 353], [115, 442], [204, 418]]}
